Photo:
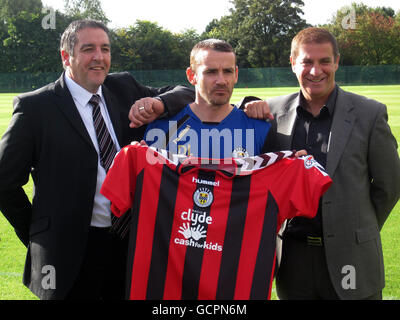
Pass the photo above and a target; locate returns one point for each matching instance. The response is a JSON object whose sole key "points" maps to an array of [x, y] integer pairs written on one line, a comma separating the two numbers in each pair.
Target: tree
{"points": [[182, 46], [12, 8], [224, 29], [4, 57], [85, 9], [147, 46], [377, 37], [260, 30], [372, 40], [29, 47]]}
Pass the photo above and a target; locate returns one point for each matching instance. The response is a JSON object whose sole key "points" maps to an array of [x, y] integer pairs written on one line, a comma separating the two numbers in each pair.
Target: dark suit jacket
{"points": [[364, 165], [47, 139]]}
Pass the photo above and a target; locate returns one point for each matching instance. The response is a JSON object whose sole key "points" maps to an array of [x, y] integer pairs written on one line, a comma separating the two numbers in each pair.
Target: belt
{"points": [[310, 240], [315, 241]]}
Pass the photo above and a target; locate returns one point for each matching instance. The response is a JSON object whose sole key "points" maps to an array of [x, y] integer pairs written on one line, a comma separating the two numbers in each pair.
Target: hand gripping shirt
{"points": [[205, 229]]}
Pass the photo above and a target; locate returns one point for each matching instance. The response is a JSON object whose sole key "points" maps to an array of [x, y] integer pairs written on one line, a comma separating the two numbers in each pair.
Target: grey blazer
{"points": [[364, 165]]}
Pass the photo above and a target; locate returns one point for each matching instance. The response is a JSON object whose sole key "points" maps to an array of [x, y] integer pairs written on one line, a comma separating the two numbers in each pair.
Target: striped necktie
{"points": [[107, 147], [107, 151]]}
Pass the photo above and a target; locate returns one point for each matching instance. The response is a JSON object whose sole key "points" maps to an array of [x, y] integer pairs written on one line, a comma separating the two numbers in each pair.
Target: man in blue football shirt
{"points": [[210, 127]]}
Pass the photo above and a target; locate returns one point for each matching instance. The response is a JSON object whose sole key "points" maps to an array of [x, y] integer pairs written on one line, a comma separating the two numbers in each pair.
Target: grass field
{"points": [[12, 252]]}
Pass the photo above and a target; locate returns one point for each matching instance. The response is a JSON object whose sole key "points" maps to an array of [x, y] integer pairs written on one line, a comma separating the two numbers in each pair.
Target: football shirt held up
{"points": [[208, 231]]}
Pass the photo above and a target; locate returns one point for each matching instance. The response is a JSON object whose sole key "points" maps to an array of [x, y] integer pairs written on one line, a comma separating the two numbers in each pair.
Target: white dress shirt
{"points": [[101, 216]]}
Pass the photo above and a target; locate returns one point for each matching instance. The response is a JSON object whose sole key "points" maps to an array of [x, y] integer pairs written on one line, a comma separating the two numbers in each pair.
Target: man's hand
{"points": [[258, 109], [300, 153], [144, 111]]}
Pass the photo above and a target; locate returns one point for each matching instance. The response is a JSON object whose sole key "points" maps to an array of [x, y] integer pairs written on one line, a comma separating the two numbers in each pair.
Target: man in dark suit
{"points": [[338, 254], [53, 136]]}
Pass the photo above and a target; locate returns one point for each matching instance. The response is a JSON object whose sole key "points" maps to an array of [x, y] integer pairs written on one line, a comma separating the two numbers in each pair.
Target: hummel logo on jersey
{"points": [[210, 183]]}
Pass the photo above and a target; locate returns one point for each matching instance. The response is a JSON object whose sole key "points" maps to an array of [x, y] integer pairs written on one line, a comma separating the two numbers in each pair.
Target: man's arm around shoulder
{"points": [[174, 98]]}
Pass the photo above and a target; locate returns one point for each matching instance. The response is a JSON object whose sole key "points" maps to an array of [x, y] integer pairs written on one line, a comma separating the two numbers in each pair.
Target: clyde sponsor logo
{"points": [[194, 230], [196, 217]]}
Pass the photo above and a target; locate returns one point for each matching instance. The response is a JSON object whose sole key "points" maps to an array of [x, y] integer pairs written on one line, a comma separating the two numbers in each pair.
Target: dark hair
{"points": [[313, 35], [210, 44], [70, 36]]}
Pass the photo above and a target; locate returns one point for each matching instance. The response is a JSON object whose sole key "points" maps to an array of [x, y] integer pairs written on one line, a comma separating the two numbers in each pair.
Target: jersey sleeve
{"points": [[120, 182], [298, 186]]}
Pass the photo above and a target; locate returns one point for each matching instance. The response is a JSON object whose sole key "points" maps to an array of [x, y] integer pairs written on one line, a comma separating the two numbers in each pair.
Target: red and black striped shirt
{"points": [[203, 230]]}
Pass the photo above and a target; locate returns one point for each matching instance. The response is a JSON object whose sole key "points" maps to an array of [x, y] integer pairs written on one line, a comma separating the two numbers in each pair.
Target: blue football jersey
{"points": [[234, 137]]}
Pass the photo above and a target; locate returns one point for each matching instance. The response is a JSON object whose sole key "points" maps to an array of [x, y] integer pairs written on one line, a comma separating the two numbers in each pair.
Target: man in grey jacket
{"points": [[338, 254]]}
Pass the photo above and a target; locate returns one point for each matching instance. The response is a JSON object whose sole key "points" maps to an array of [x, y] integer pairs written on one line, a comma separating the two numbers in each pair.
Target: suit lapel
{"points": [[342, 125], [285, 123], [65, 102]]}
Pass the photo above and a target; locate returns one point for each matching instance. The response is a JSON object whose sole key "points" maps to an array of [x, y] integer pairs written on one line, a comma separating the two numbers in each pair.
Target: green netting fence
{"points": [[251, 78]]}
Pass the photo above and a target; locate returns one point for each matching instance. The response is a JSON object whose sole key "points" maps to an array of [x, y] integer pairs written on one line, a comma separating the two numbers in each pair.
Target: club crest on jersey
{"points": [[203, 197], [309, 162], [240, 152]]}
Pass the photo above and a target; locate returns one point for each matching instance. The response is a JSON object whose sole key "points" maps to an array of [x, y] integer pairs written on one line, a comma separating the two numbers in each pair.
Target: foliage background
{"points": [[259, 30]]}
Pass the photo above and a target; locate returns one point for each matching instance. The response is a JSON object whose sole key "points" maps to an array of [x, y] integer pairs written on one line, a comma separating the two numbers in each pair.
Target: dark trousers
{"points": [[102, 276], [303, 273]]}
